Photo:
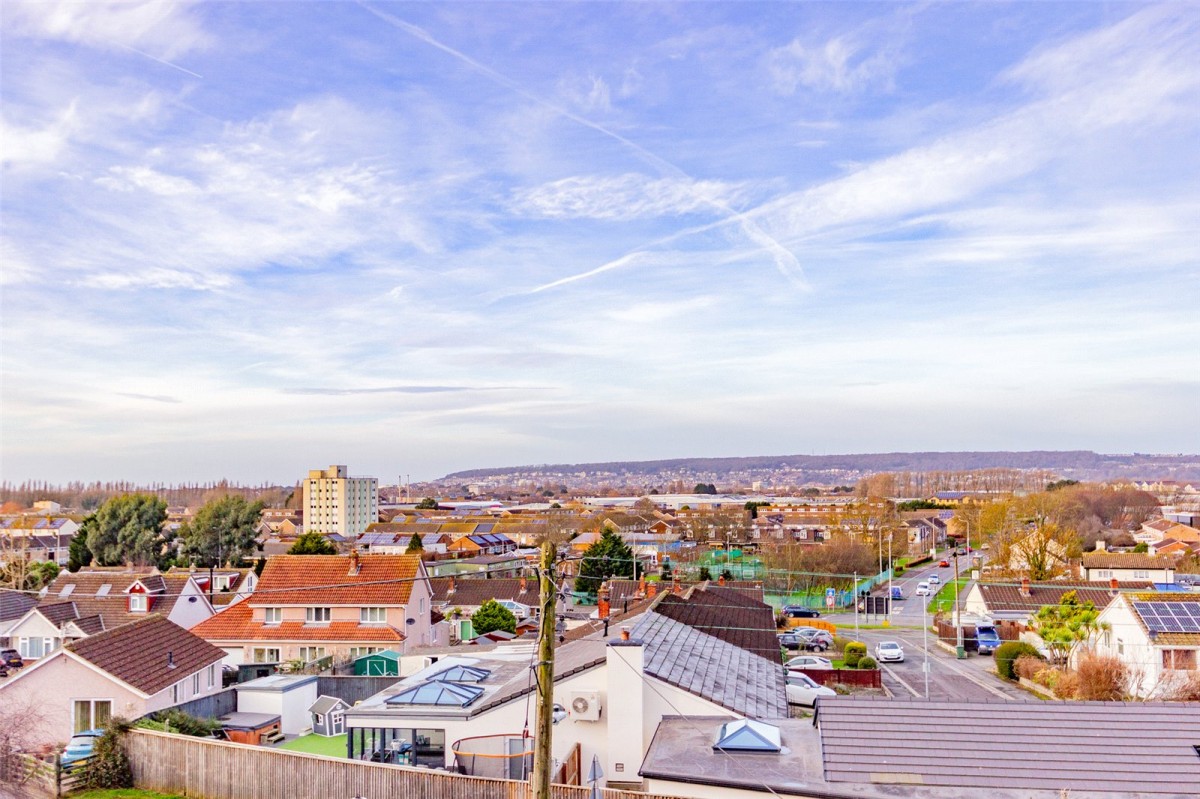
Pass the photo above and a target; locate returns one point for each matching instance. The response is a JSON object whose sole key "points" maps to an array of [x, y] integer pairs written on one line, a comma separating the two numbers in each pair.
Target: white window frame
{"points": [[317, 615], [139, 603], [212, 675], [91, 703], [175, 693], [264, 652], [372, 615], [310, 653], [272, 616], [196, 684]]}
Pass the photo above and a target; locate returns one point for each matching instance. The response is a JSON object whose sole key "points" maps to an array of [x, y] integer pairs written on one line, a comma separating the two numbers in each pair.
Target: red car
{"points": [[944, 564]]}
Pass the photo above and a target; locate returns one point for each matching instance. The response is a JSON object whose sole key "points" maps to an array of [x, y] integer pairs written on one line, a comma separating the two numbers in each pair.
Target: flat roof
{"points": [[277, 682]]}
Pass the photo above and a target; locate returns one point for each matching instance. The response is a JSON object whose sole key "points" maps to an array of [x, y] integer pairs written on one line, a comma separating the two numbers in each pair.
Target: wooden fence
{"points": [[201, 768], [857, 678]]}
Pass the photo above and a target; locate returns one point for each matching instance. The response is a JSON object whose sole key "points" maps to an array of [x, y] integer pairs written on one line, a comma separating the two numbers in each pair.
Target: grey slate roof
{"points": [[14, 604], [1126, 749], [716, 670], [326, 704]]}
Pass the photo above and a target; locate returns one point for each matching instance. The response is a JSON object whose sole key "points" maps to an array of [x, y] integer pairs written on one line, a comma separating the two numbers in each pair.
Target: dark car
{"points": [[800, 612], [820, 641], [3, 669], [790, 641], [11, 658]]}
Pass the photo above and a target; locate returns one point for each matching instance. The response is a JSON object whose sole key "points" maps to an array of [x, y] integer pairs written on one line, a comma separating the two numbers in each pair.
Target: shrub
{"points": [[108, 767], [1067, 685], [1101, 677], [1185, 689], [839, 643], [867, 662], [1006, 657], [855, 651], [1028, 666], [841, 689], [177, 721]]}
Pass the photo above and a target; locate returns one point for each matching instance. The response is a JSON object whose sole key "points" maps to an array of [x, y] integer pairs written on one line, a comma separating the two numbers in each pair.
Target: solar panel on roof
{"points": [[1169, 617]]}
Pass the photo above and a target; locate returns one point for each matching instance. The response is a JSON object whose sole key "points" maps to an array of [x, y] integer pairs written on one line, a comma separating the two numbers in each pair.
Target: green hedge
{"points": [[867, 662], [855, 651], [1006, 657]]}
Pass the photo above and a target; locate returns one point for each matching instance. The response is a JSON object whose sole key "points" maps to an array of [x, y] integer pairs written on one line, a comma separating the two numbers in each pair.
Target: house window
{"points": [[1120, 647], [212, 675], [92, 714], [1141, 575], [265, 655], [138, 603], [195, 683], [175, 694], [359, 651], [1179, 659], [372, 615], [1104, 574], [273, 615], [316, 615], [310, 653]]}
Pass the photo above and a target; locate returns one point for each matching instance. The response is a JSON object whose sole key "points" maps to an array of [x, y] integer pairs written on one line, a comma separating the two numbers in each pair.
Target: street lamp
{"points": [[925, 634]]}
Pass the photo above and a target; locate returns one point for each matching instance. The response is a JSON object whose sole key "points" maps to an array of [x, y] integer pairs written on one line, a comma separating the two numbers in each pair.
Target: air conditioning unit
{"points": [[585, 705]]}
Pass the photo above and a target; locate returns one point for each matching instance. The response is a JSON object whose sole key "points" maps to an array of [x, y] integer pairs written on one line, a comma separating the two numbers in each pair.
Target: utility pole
{"points": [[543, 726]]}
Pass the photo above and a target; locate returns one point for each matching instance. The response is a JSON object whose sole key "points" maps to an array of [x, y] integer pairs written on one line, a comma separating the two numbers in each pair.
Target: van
{"points": [[987, 638], [922, 589], [897, 593]]}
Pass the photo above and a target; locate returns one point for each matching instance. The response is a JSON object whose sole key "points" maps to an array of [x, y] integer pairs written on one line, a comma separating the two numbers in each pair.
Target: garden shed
{"points": [[378, 664], [328, 716]]}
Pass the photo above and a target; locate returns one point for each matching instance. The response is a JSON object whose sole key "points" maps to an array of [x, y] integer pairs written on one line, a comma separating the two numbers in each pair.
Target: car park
{"points": [[889, 652], [922, 589], [809, 662], [804, 690]]}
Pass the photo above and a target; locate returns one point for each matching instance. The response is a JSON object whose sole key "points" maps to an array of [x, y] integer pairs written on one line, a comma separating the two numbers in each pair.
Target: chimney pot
{"points": [[651, 590], [524, 584], [1025, 589], [603, 608], [624, 633], [721, 580], [1113, 586]]}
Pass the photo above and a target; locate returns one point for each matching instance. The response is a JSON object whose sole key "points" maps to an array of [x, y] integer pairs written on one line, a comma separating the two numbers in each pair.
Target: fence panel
{"points": [[202, 768], [353, 689], [211, 707]]}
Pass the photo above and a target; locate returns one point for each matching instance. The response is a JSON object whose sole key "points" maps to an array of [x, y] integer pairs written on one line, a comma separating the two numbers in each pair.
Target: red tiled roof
{"points": [[237, 624], [138, 653], [1116, 560], [326, 580]]}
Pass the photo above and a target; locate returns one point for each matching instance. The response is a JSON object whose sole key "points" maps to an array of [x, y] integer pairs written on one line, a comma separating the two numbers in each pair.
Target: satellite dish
{"points": [[410, 621]]}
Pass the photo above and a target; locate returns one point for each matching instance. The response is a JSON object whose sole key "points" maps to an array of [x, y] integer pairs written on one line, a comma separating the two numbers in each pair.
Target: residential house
{"points": [[13, 605], [307, 607], [1127, 567], [678, 656], [457, 598], [1157, 636], [1155, 531], [1087, 750], [388, 543], [80, 604], [511, 564], [229, 585], [482, 544], [1009, 601], [128, 671]]}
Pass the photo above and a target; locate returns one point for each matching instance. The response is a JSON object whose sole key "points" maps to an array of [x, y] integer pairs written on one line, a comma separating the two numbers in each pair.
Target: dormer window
{"points": [[273, 615], [317, 615], [139, 603]]}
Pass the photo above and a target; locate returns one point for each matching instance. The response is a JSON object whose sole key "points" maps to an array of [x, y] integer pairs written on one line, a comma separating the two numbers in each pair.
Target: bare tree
{"points": [[24, 763]]}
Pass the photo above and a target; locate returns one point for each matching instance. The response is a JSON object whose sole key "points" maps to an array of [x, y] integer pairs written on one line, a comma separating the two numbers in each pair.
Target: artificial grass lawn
{"points": [[317, 745], [124, 793]]}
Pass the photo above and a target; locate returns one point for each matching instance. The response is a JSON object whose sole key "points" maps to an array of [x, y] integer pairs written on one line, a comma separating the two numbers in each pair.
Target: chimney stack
{"points": [[450, 590], [624, 633], [604, 608], [1101, 545], [1114, 587], [641, 589], [1025, 587], [354, 564], [721, 580], [676, 588], [524, 583], [651, 590]]}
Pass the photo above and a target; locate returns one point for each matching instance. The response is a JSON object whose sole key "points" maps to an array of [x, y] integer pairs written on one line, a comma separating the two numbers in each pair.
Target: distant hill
{"points": [[1081, 464]]}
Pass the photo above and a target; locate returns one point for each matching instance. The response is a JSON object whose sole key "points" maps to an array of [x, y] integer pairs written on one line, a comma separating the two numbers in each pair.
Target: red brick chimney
{"points": [[642, 585], [355, 566], [450, 590], [676, 588], [1025, 587], [604, 608], [721, 580], [524, 584], [651, 589], [1114, 587]]}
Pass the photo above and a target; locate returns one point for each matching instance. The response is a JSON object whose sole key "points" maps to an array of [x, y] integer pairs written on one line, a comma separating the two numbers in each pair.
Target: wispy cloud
{"points": [[855, 61], [151, 397], [625, 197], [345, 392], [169, 28]]}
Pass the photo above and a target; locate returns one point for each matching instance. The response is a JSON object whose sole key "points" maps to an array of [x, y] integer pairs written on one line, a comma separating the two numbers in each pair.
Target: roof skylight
{"points": [[745, 735]]}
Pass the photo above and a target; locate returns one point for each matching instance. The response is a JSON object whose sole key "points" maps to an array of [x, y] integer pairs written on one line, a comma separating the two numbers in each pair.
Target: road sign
{"points": [[830, 597]]}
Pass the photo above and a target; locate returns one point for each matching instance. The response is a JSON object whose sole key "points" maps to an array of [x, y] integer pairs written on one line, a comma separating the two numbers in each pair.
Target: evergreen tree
{"points": [[415, 546], [493, 616], [608, 557], [127, 530], [222, 531], [312, 544]]}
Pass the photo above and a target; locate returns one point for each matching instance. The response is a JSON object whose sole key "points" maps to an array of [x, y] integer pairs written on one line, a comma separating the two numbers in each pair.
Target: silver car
{"points": [[889, 652]]}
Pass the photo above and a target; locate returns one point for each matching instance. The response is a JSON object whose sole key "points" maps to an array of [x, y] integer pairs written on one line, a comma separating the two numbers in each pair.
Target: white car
{"points": [[934, 579], [889, 652], [809, 662], [804, 690], [922, 589]]}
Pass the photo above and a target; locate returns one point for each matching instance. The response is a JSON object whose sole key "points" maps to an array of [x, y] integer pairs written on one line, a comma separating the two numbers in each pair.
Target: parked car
{"points": [[79, 748], [943, 564], [889, 652], [922, 589], [11, 658], [3, 669], [819, 642], [804, 690], [935, 579], [987, 638], [809, 662], [790, 640], [800, 612]]}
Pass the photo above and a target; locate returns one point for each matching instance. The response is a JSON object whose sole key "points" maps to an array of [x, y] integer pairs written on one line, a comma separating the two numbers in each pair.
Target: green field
{"points": [[943, 600], [318, 745]]}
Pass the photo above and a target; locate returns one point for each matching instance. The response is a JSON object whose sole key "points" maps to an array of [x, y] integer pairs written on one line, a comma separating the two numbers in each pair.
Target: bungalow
{"points": [[13, 605], [129, 671], [677, 656], [1157, 635], [1159, 529], [1126, 567], [1013, 602], [467, 594], [482, 544], [307, 607]]}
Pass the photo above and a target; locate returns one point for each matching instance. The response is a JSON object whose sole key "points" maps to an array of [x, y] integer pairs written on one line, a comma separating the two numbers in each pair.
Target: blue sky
{"points": [[248, 239]]}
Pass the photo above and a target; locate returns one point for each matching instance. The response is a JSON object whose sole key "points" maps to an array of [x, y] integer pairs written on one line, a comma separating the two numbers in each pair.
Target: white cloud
{"points": [[37, 146], [849, 63], [628, 196], [589, 94], [168, 29]]}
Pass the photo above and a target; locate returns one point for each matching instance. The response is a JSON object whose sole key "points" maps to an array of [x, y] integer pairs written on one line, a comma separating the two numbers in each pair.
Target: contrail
{"points": [[785, 262], [160, 60]]}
